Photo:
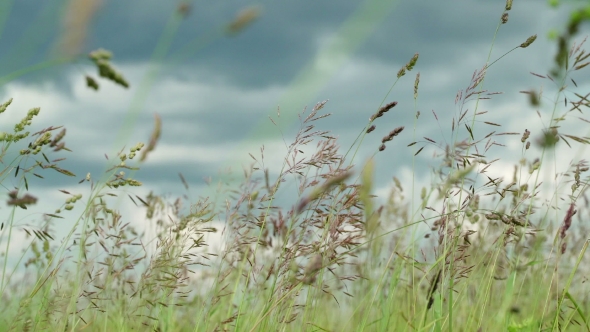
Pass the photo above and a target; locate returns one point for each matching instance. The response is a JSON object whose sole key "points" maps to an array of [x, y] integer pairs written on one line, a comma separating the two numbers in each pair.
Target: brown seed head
{"points": [[567, 221], [529, 41], [525, 136], [387, 107], [396, 131], [504, 18]]}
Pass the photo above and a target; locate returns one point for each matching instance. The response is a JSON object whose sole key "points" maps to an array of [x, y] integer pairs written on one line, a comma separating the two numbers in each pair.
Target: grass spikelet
{"points": [[410, 65], [383, 110], [416, 82], [504, 18], [5, 105], [419, 150], [529, 41], [101, 58], [388, 107], [508, 5], [392, 134], [91, 82], [525, 136], [401, 72], [567, 221]]}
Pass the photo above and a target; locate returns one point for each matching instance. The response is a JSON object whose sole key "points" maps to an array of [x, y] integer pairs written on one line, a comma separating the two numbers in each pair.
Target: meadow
{"points": [[473, 253]]}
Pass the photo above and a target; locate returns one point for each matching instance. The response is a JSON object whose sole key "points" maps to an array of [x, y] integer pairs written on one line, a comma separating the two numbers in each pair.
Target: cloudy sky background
{"points": [[215, 92]]}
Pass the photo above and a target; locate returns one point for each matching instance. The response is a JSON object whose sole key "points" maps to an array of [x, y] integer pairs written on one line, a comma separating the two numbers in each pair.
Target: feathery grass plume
{"points": [[567, 220], [504, 18], [567, 223], [416, 82], [79, 14], [243, 19], [508, 4], [529, 41]]}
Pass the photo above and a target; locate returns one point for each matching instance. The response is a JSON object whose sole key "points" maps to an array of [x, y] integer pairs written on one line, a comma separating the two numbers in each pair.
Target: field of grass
{"points": [[473, 253]]}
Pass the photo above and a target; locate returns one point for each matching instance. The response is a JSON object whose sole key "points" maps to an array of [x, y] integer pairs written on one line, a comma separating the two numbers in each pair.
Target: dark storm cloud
{"points": [[275, 47]]}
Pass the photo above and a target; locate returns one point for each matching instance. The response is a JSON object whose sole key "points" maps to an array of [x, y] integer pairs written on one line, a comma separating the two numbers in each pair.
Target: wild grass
{"points": [[474, 253]]}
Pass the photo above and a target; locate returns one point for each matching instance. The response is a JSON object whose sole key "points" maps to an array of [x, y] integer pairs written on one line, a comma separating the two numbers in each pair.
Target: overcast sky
{"points": [[215, 92]]}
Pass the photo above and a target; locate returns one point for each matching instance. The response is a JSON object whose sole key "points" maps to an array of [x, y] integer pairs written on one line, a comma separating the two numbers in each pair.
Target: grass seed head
{"points": [[410, 65], [387, 107], [525, 136], [416, 82], [401, 72], [529, 41], [5, 105], [504, 18]]}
